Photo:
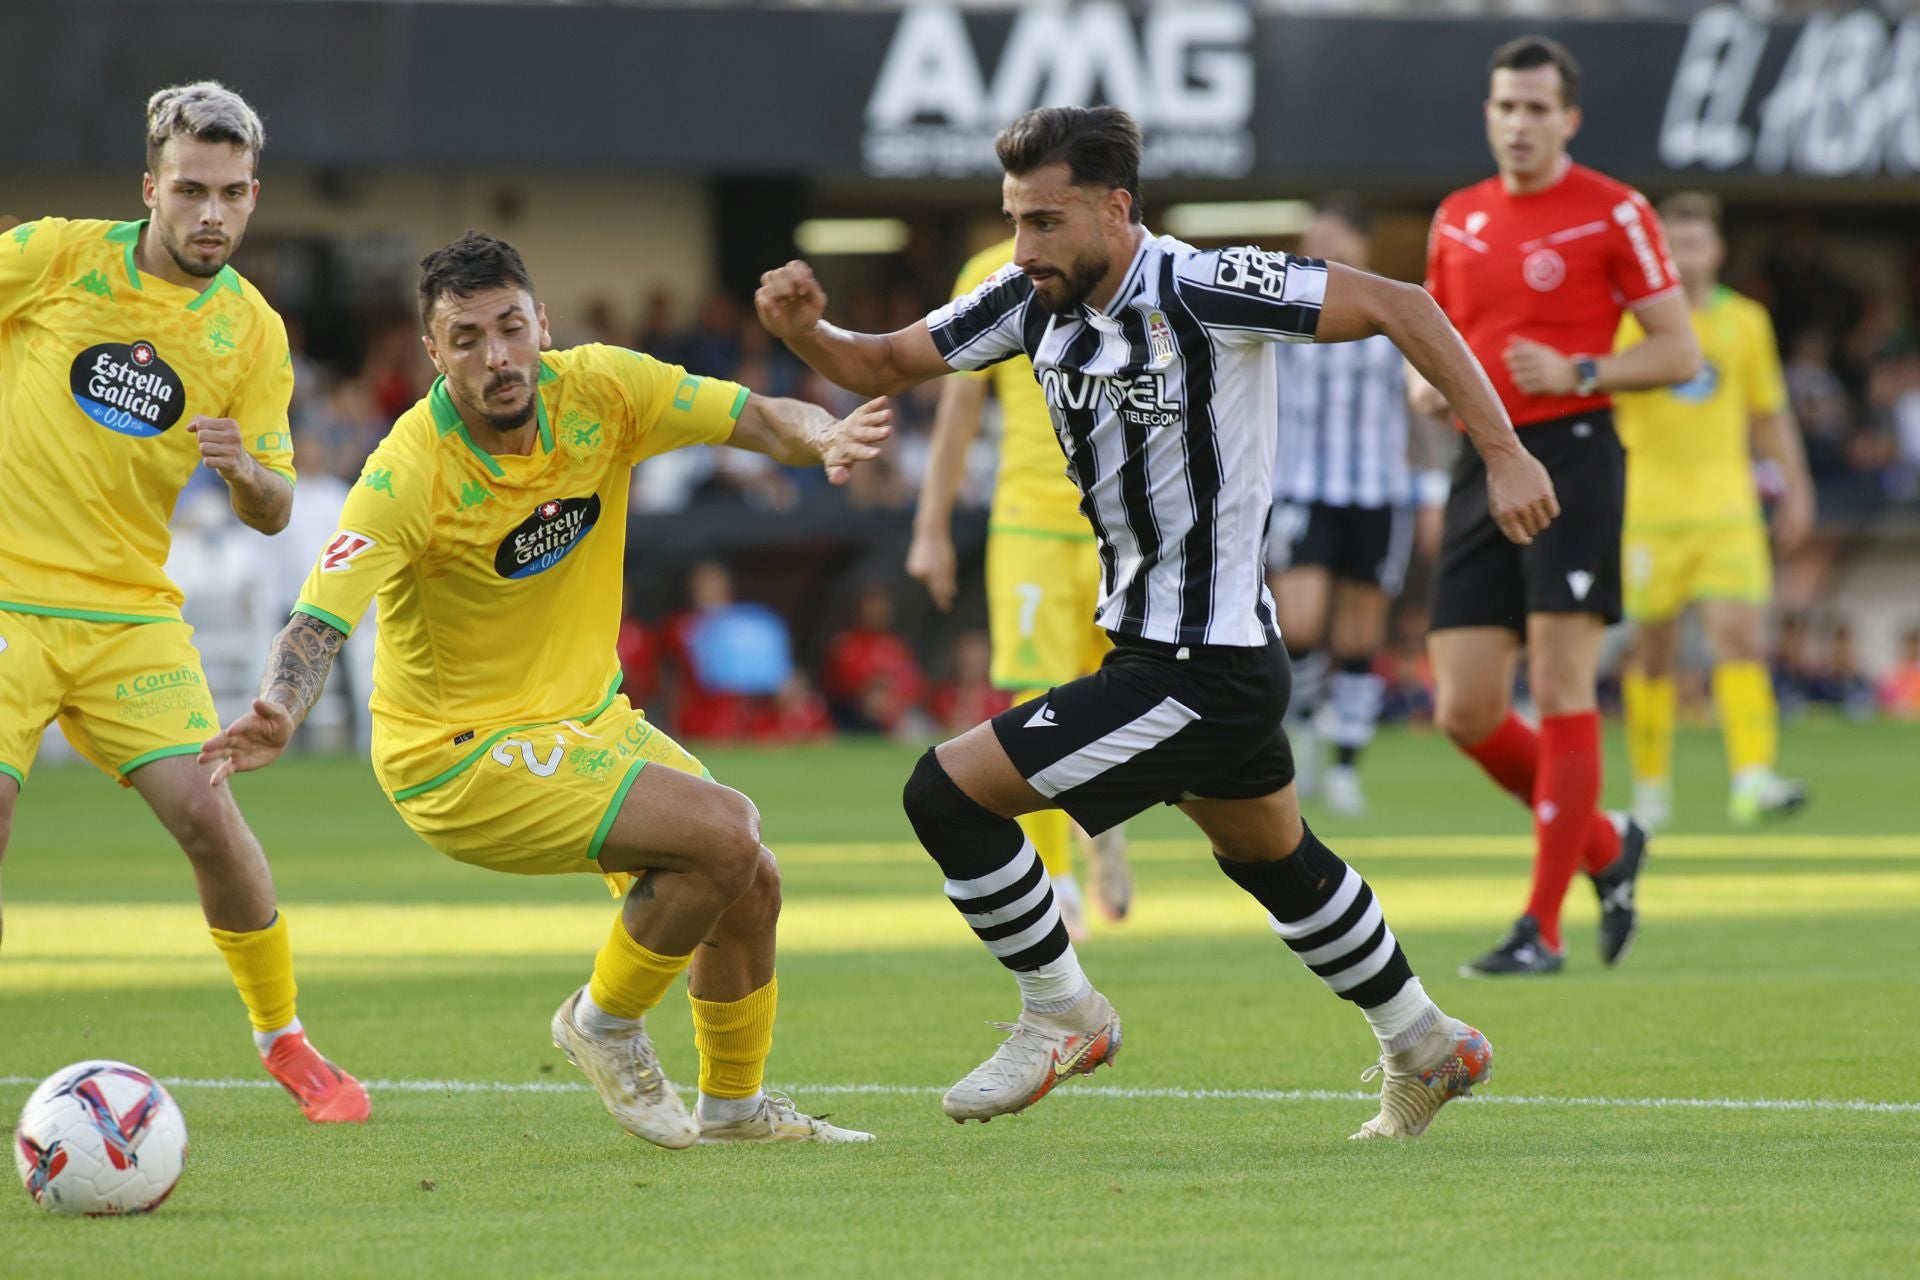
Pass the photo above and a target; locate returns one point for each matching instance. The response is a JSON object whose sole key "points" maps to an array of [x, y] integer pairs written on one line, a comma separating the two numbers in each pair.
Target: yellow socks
{"points": [[1749, 718], [1650, 714], [734, 1040], [628, 979], [262, 966]]}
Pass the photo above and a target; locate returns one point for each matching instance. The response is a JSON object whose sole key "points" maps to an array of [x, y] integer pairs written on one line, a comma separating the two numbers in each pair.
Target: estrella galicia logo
{"points": [[544, 538], [127, 387]]}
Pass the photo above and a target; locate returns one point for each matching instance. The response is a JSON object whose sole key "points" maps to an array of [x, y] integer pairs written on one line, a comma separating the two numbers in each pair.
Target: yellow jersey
{"points": [[101, 369], [498, 576], [1031, 490], [1689, 450]]}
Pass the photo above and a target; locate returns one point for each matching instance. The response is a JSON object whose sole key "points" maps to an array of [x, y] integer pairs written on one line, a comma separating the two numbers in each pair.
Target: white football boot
{"points": [[625, 1072], [778, 1120], [1042, 1050], [1446, 1064]]}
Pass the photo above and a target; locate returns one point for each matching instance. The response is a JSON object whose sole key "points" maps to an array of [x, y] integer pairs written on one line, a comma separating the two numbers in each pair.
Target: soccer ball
{"points": [[100, 1138]]}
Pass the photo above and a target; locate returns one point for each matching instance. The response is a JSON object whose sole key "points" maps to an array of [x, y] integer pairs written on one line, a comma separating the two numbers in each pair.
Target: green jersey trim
{"points": [[15, 774], [79, 615], [228, 279], [601, 832], [739, 405], [447, 418], [333, 620], [1050, 535], [420, 788], [161, 753], [128, 235]]}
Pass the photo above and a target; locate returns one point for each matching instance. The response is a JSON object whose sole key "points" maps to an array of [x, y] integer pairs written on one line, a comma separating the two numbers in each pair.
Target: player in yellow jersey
{"points": [[1043, 577], [1694, 530], [491, 522], [131, 355]]}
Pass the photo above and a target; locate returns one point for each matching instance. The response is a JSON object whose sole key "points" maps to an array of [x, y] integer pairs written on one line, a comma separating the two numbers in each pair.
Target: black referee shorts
{"points": [[1361, 544], [1156, 724], [1573, 566]]}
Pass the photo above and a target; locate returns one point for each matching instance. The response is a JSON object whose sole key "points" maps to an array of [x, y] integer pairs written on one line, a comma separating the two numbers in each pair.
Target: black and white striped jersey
{"points": [[1343, 425], [1164, 404]]}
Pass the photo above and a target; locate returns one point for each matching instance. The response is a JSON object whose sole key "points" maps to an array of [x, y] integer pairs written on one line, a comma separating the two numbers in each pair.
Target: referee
{"points": [[1534, 267]]}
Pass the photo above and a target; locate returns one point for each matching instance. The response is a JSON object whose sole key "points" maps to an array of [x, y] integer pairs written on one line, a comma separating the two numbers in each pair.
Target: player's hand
{"points": [[1520, 495], [1793, 520], [1538, 369], [253, 741], [930, 559], [790, 301], [853, 439], [220, 446]]}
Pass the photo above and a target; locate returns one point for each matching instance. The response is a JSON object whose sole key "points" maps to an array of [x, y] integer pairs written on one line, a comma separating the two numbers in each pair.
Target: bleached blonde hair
{"points": [[206, 110]]}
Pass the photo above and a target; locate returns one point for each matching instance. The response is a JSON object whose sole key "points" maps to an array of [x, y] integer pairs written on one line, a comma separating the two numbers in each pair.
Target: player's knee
{"points": [[208, 827], [934, 801], [733, 861], [1468, 721]]}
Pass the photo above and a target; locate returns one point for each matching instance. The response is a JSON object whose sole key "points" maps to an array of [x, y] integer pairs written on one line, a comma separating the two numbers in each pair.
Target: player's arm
{"points": [[800, 434], [793, 306], [956, 424], [261, 497], [1669, 353], [1358, 305], [1776, 440], [297, 667]]}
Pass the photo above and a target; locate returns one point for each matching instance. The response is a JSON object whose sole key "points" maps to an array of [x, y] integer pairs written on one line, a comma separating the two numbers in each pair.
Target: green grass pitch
{"points": [[1778, 966]]}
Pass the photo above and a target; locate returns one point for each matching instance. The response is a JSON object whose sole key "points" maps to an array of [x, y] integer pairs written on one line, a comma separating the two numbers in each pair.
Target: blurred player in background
{"points": [[1695, 532], [1043, 577], [1535, 267], [492, 523], [1343, 524], [131, 355]]}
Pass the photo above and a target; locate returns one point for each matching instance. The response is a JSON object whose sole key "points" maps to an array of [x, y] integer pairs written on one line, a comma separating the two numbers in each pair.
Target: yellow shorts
{"points": [[1665, 569], [1042, 590], [540, 801], [125, 693]]}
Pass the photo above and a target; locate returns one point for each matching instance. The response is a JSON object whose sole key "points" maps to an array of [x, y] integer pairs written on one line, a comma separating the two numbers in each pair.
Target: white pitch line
{"points": [[1115, 1093]]}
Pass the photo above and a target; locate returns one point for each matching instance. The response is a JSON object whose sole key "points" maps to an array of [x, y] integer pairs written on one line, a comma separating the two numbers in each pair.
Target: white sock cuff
{"points": [[1055, 986], [1402, 1020]]}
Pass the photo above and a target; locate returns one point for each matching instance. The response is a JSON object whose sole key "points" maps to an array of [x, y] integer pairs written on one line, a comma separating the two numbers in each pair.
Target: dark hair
{"points": [[474, 262], [1345, 206], [1529, 52], [1099, 145], [1691, 206]]}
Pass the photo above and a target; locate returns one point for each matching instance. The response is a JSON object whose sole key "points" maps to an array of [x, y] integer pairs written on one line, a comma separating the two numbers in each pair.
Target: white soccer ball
{"points": [[100, 1138]]}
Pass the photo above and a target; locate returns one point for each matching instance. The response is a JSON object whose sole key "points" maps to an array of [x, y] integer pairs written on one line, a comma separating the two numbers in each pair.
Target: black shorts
{"points": [[1361, 544], [1154, 727], [1483, 580]]}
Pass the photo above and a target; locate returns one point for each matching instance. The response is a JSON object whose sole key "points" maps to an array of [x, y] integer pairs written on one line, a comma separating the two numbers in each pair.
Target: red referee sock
{"points": [[1511, 757], [1566, 796]]}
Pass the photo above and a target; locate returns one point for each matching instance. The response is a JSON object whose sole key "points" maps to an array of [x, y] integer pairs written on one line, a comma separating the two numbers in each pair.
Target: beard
{"points": [[177, 249], [1078, 281], [505, 420]]}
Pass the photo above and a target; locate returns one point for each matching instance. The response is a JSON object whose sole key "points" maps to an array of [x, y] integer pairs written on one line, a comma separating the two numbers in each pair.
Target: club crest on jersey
{"points": [[1544, 270], [342, 550], [545, 538], [126, 387], [1160, 343]]}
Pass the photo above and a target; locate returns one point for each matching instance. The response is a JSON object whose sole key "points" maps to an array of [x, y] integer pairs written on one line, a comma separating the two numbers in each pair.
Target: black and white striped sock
{"points": [[1000, 887], [1328, 916]]}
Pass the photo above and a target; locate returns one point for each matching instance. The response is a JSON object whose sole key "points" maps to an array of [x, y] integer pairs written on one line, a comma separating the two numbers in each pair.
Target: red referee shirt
{"points": [[1557, 266]]}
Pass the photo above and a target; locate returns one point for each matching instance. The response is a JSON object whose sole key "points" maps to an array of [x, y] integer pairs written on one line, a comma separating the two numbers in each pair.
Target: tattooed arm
{"points": [[297, 668]]}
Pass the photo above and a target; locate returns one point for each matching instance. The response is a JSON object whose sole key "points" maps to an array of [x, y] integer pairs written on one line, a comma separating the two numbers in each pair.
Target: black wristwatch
{"points": [[1586, 375]]}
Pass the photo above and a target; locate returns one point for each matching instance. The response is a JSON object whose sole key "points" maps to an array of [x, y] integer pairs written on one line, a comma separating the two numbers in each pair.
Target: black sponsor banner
{"points": [[918, 93]]}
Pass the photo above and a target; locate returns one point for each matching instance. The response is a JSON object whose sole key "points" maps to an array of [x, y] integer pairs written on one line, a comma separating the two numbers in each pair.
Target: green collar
{"points": [[447, 418], [127, 235]]}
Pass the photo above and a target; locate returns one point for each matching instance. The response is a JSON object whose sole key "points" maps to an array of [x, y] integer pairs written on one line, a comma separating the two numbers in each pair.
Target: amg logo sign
{"points": [[1845, 104], [1186, 74]]}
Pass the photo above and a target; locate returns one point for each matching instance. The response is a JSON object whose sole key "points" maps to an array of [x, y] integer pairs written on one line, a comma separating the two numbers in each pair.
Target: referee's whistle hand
{"points": [[1520, 496]]}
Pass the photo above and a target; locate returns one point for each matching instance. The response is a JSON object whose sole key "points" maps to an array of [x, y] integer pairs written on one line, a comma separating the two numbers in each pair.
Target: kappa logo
{"points": [[343, 550], [1581, 581], [1043, 718]]}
